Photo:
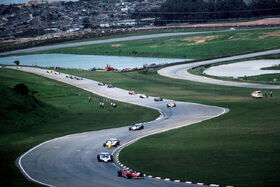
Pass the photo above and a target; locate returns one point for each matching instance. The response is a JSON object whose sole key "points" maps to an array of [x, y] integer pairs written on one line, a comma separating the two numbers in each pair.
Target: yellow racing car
{"points": [[112, 142], [171, 105]]}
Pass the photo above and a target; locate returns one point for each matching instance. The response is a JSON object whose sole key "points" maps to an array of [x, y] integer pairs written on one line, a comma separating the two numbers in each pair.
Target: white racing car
{"points": [[136, 127], [158, 99], [112, 142], [143, 96], [104, 157], [171, 105]]}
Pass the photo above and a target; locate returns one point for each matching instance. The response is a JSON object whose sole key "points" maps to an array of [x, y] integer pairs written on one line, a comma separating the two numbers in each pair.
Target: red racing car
{"points": [[132, 93], [130, 174]]}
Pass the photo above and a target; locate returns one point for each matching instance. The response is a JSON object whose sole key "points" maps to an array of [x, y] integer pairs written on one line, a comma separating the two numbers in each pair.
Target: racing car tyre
{"points": [[129, 176], [104, 145], [129, 128], [119, 173]]}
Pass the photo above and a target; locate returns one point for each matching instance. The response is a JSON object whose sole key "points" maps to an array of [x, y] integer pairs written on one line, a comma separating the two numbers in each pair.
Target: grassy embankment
{"points": [[133, 33], [240, 148], [56, 110], [191, 47]]}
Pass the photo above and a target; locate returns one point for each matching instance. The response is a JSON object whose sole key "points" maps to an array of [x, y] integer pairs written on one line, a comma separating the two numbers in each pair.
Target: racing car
{"points": [[158, 99], [78, 78], [136, 127], [171, 105], [130, 174], [143, 96], [132, 93], [110, 86], [101, 84], [104, 157], [112, 142]]}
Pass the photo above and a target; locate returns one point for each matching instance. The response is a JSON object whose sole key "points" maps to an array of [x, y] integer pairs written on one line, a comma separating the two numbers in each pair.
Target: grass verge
{"points": [[206, 45], [240, 148], [56, 110]]}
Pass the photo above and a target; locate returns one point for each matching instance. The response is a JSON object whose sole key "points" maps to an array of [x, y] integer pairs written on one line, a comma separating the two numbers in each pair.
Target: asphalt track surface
{"points": [[130, 38], [180, 71], [71, 160]]}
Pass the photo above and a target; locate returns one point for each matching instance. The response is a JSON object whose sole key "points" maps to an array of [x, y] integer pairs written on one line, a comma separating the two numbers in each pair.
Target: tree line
{"points": [[199, 11]]}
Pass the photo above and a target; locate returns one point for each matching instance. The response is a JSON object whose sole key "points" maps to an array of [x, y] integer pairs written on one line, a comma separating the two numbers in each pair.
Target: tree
{"points": [[86, 23], [21, 89], [16, 62]]}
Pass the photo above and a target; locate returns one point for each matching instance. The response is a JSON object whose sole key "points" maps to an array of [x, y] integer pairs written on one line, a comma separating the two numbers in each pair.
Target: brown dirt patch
{"points": [[271, 34], [241, 36], [153, 46], [116, 45], [199, 39]]}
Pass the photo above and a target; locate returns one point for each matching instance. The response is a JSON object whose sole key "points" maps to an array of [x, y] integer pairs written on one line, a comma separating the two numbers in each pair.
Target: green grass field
{"points": [[277, 67], [240, 148], [56, 110], [191, 47]]}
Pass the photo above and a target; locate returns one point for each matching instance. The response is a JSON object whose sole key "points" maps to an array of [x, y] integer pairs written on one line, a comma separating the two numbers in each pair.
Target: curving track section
{"points": [[180, 71], [71, 160]]}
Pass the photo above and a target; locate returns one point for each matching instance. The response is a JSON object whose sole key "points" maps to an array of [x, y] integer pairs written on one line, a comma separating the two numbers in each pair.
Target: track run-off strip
{"points": [[180, 71]]}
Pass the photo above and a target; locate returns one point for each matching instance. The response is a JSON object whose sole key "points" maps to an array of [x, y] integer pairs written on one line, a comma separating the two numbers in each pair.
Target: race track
{"points": [[180, 71], [71, 160]]}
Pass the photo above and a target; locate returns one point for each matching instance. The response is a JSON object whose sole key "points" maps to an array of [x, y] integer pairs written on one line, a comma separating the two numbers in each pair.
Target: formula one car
{"points": [[158, 99], [130, 174], [132, 93], [104, 157], [136, 127], [110, 86], [112, 142], [171, 105], [101, 84], [78, 78], [143, 96], [49, 71], [257, 94]]}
